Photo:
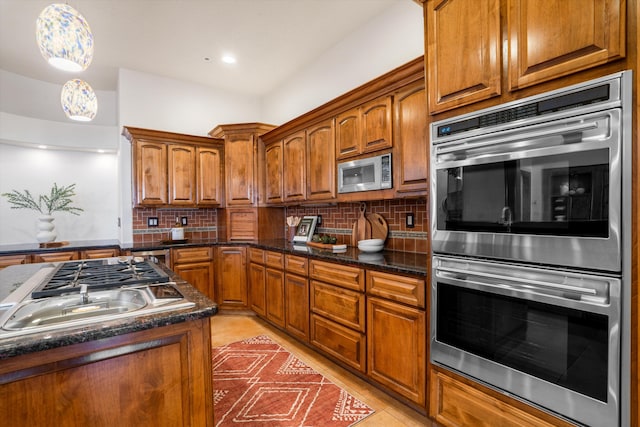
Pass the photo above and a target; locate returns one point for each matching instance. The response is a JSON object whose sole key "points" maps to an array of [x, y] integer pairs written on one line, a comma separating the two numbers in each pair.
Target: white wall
{"points": [[390, 40], [95, 176], [154, 102]]}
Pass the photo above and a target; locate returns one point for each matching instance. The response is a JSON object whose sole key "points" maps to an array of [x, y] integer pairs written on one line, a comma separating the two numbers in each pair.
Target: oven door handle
{"points": [[556, 130], [530, 283]]}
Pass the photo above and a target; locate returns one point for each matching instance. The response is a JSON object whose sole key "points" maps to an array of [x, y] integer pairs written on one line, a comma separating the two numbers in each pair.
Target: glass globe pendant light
{"points": [[78, 100], [64, 37]]}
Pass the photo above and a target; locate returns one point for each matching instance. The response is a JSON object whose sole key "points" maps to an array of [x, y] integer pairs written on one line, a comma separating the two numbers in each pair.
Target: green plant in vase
{"points": [[59, 199]]}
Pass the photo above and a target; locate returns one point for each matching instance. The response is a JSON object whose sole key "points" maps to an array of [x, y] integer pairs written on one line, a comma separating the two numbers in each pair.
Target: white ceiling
{"points": [[271, 39]]}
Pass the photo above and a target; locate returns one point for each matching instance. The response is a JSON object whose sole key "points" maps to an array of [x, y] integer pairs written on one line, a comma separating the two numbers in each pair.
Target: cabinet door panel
{"points": [[376, 118], [392, 326], [348, 134], [182, 175], [294, 165], [296, 290], [274, 178], [321, 157], [198, 274], [239, 168], [231, 281], [151, 173], [560, 37], [257, 294], [411, 153], [209, 180], [274, 284], [459, 30]]}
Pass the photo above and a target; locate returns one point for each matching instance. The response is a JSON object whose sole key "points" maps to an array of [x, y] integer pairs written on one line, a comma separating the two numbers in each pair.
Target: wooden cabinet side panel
{"points": [[559, 39], [377, 119], [390, 327], [160, 377], [464, 45], [151, 173], [321, 159]]}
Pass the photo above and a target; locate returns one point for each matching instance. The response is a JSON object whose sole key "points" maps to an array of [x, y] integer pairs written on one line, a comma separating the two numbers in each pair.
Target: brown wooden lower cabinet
{"points": [[195, 265], [231, 277], [396, 348], [455, 401], [9, 260], [296, 297], [257, 290], [55, 256], [344, 344], [274, 287], [159, 377]]}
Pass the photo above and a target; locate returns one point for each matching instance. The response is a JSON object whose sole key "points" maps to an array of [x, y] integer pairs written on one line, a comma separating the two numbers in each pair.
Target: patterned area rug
{"points": [[258, 383]]}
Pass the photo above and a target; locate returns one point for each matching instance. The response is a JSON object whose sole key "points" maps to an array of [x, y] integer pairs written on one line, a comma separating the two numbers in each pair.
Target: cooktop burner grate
{"points": [[98, 274]]}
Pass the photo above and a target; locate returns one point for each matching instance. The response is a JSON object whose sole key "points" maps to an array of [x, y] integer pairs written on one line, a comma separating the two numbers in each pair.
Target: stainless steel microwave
{"points": [[372, 173]]}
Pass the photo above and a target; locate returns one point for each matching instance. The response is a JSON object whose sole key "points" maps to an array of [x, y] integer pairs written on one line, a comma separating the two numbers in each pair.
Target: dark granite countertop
{"points": [[32, 248], [12, 277], [392, 261]]}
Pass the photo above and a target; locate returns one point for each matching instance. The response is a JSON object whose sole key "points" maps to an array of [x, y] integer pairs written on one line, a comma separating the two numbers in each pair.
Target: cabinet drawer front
{"points": [[340, 305], [274, 259], [256, 255], [404, 289], [340, 342], [337, 274], [100, 253], [296, 264], [191, 254]]}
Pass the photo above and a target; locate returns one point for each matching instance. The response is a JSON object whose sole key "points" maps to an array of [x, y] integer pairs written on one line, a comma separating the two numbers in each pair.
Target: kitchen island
{"points": [[146, 370]]}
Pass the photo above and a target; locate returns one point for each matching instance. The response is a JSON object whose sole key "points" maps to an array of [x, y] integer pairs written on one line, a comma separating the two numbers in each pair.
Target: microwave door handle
{"points": [[529, 282], [581, 127]]}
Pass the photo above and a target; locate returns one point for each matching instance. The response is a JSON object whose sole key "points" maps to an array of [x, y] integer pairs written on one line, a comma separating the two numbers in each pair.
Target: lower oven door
{"points": [[548, 337]]}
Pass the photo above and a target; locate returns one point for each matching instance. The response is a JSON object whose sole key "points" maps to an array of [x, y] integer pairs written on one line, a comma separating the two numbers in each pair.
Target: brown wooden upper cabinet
{"points": [[321, 170], [172, 169], [240, 155], [274, 177], [545, 40], [294, 167], [364, 129]]}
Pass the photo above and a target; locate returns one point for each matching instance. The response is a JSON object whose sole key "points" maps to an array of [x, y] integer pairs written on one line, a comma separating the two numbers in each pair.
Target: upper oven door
{"points": [[548, 193]]}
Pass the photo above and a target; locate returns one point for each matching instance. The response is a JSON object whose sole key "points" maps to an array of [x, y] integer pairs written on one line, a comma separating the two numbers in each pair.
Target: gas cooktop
{"points": [[68, 277]]}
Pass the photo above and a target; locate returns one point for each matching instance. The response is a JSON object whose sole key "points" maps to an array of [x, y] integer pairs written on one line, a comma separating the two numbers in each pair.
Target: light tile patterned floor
{"points": [[227, 328]]}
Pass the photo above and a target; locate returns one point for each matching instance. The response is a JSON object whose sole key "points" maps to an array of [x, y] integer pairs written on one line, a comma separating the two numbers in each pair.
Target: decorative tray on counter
{"points": [[328, 246]]}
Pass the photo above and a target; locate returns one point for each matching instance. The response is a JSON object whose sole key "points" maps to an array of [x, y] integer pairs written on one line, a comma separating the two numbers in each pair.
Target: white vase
{"points": [[46, 229]]}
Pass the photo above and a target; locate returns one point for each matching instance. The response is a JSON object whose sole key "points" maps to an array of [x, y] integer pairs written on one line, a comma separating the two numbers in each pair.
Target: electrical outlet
{"points": [[184, 221], [152, 221], [410, 220], [319, 223]]}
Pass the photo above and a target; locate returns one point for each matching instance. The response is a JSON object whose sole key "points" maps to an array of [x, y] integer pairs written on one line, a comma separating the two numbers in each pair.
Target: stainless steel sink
{"points": [[48, 311]]}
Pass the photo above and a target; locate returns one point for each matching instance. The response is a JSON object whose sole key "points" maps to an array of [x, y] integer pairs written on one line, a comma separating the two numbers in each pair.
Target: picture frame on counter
{"points": [[306, 229]]}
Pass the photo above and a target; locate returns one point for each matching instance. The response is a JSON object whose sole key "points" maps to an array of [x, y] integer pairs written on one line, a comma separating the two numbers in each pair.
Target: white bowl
{"points": [[371, 248], [371, 242]]}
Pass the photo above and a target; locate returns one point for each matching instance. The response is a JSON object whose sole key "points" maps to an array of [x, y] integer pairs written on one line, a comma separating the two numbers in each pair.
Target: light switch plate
{"points": [[152, 221], [184, 221], [410, 220]]}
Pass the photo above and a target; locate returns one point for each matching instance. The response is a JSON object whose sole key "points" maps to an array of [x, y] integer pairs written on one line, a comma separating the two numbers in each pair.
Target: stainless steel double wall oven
{"points": [[531, 240]]}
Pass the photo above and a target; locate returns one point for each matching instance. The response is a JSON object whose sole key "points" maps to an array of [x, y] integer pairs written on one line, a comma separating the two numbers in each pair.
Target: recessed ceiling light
{"points": [[229, 59], [43, 147]]}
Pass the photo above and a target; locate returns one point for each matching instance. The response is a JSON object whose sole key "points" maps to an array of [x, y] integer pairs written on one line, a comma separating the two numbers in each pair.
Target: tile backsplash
{"points": [[337, 220], [201, 224]]}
